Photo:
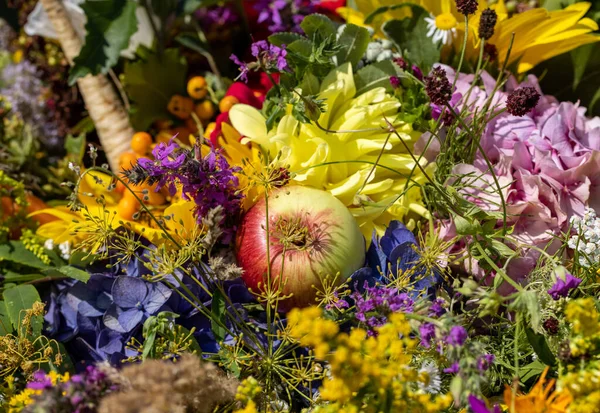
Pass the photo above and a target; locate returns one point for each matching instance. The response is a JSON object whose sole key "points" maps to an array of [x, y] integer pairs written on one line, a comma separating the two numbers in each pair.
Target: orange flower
{"points": [[541, 398]]}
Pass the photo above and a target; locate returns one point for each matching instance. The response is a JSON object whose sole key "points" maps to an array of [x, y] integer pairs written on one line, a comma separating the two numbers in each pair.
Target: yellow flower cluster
{"points": [[246, 392], [583, 316], [367, 373], [26, 397], [584, 387]]}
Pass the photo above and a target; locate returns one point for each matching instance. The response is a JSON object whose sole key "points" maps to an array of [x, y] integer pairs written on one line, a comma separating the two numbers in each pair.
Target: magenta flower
{"points": [[479, 406], [40, 381], [457, 336]]}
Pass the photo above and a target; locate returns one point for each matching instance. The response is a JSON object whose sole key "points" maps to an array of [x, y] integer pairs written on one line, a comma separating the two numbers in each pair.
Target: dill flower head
{"points": [[342, 159]]}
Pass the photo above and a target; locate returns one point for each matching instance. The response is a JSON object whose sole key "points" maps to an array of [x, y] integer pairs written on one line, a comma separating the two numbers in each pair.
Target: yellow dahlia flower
{"points": [[343, 163]]}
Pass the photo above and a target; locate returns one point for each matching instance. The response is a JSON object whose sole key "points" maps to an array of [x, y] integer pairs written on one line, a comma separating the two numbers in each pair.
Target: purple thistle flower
{"points": [[457, 336], [565, 282], [427, 332]]}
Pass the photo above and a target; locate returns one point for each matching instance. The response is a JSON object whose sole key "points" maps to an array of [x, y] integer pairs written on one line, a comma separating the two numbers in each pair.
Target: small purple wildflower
{"points": [[438, 111], [437, 308], [401, 62], [243, 67], [395, 82], [453, 369], [377, 303], [427, 332], [457, 336], [40, 381], [479, 406], [208, 180], [284, 15], [217, 16], [484, 362], [562, 286]]}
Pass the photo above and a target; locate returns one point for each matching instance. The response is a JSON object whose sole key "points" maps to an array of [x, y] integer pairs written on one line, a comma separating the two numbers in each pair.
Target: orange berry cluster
{"points": [[141, 146]]}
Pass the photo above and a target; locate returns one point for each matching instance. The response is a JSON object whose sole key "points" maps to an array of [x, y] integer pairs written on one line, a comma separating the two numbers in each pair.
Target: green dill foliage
{"points": [[163, 339]]}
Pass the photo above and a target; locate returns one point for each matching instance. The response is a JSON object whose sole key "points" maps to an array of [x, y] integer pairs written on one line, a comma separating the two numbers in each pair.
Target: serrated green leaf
{"points": [[302, 47], [18, 299], [540, 346], [374, 75], [14, 251], [286, 38], [6, 326], [218, 316], [354, 41], [151, 83], [110, 25], [317, 23], [410, 36]]}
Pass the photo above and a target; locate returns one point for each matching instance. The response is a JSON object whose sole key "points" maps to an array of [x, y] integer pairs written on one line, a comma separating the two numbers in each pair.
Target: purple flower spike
{"points": [[565, 282]]}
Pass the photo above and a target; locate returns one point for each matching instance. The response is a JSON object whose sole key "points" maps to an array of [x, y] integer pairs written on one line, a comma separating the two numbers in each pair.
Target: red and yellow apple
{"points": [[312, 235]]}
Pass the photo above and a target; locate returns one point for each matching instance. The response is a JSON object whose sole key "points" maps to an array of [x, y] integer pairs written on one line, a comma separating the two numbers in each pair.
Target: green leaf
{"points": [[14, 251], [286, 38], [75, 273], [217, 310], [540, 346], [18, 299], [353, 41], [110, 25], [310, 84], [531, 370], [192, 42], [75, 146], [502, 248], [466, 226], [580, 58], [302, 47], [5, 324], [318, 24], [151, 83], [374, 75], [410, 36]]}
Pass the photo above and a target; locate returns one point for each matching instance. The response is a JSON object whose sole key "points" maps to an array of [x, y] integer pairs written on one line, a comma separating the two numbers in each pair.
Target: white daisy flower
{"points": [[433, 381], [441, 28]]}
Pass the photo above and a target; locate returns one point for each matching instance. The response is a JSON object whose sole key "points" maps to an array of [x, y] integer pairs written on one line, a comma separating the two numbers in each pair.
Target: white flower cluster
{"points": [[63, 247], [587, 239]]}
